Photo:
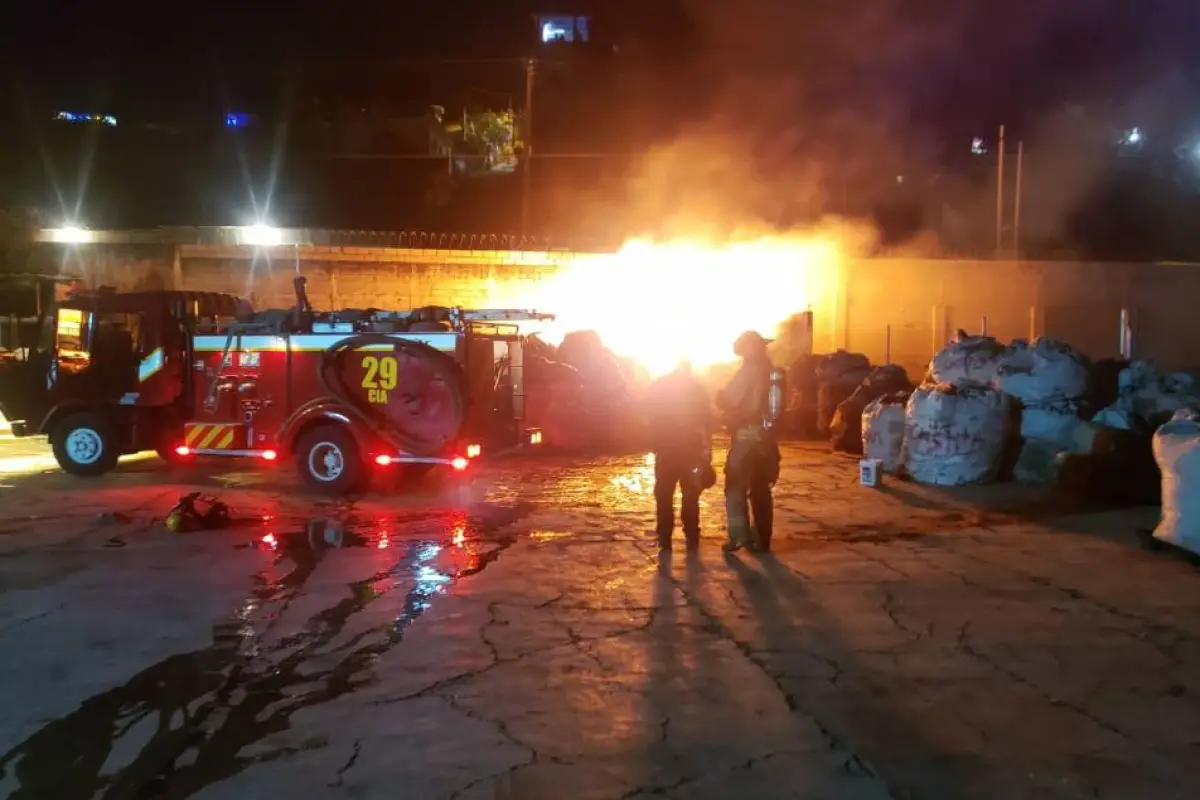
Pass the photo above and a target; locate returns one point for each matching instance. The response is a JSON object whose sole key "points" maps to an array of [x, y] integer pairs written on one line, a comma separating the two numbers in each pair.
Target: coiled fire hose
{"points": [[443, 367]]}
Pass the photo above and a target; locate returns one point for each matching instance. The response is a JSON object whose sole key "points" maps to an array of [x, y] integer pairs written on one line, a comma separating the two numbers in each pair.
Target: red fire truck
{"points": [[202, 375]]}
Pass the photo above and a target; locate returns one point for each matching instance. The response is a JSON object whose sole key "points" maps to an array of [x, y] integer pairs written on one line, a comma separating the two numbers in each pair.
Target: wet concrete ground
{"points": [[517, 636]]}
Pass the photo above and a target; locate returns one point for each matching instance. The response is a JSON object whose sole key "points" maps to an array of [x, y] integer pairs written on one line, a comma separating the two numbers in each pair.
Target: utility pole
{"points": [[527, 166], [512, 123], [1017, 202], [1000, 193]]}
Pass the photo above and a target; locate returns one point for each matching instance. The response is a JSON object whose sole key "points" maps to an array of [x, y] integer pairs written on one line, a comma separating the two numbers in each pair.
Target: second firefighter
{"points": [[748, 406]]}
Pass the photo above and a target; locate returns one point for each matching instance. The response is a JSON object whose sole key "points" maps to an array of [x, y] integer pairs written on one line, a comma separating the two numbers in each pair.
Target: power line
{"points": [[439, 61]]}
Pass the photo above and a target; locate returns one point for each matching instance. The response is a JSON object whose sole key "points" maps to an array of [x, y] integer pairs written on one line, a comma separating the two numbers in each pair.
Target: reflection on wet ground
{"points": [[618, 485], [200, 709]]}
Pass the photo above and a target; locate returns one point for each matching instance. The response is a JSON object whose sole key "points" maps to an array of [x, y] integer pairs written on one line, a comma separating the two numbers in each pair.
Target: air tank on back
{"points": [[776, 396]]}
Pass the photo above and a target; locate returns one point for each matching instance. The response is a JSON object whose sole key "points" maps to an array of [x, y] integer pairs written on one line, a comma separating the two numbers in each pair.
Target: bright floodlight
{"points": [[1134, 136], [262, 236], [71, 234]]}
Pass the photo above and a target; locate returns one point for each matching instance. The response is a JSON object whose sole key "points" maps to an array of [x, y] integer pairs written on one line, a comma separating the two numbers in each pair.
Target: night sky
{"points": [[936, 62], [774, 101]]}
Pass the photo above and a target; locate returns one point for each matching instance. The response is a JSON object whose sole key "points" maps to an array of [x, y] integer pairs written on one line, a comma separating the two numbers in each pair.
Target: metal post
{"points": [[527, 166], [985, 324], [1017, 202], [938, 326], [176, 269], [1126, 333], [1000, 193], [1033, 320], [887, 345], [516, 374]]}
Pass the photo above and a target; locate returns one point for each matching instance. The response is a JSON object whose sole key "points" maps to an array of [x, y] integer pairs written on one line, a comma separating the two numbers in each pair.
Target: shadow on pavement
{"points": [[863, 718], [663, 671]]}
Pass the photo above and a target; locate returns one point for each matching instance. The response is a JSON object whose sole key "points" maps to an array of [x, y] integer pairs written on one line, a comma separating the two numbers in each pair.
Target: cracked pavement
{"points": [[518, 636]]}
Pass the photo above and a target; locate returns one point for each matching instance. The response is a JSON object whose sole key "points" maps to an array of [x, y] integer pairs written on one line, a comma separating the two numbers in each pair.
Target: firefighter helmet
{"points": [[750, 343]]}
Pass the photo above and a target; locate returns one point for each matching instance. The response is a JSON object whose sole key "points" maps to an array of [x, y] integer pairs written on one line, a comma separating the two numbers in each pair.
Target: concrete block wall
{"points": [[126, 267], [923, 302], [349, 277], [371, 277]]}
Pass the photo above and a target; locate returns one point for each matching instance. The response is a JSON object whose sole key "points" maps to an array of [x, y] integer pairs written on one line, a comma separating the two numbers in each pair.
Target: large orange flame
{"points": [[663, 302]]}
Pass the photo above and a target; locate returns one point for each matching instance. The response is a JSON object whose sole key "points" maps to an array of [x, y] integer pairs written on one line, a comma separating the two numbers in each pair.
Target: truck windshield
{"points": [[71, 338], [78, 333]]}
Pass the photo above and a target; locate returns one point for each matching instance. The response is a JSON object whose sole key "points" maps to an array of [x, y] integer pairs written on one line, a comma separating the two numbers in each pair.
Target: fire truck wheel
{"points": [[82, 445], [329, 460]]}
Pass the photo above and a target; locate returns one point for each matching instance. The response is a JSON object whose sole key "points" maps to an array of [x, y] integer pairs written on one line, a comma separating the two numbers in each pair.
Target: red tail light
{"points": [[459, 463], [183, 450], [269, 455], [383, 460]]}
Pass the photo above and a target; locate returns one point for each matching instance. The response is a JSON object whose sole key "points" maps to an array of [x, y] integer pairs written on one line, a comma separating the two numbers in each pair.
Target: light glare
{"points": [[260, 235], [71, 234]]}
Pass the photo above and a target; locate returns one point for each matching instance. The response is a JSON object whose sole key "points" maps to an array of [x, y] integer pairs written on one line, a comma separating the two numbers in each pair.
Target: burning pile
{"points": [[628, 317], [660, 303], [581, 395]]}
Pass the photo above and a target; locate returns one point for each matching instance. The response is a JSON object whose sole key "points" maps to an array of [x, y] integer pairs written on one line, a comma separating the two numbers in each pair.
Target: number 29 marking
{"points": [[381, 376]]}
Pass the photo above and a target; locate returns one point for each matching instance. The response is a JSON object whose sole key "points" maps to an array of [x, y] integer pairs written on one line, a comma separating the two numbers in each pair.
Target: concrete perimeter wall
{"points": [[921, 302], [924, 302], [338, 277]]}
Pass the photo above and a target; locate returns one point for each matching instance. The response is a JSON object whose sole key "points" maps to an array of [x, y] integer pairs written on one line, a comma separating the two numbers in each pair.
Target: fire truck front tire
{"points": [[329, 460], [83, 446]]}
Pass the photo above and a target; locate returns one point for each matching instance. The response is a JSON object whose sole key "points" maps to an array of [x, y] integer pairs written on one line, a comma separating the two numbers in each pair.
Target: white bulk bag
{"points": [[1115, 416], [1148, 395], [883, 430], [967, 359], [1042, 373], [955, 435], [1049, 421], [1177, 451]]}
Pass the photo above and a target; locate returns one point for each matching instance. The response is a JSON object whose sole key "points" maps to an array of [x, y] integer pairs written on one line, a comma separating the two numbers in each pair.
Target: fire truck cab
{"points": [[202, 375]]}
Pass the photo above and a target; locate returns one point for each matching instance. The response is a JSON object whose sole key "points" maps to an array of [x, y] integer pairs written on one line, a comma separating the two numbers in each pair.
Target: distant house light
{"points": [[977, 146], [75, 116], [238, 119], [555, 28]]}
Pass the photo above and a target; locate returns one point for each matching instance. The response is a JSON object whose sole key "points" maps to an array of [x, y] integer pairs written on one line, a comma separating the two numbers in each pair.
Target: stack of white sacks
{"points": [[980, 395], [1177, 452]]}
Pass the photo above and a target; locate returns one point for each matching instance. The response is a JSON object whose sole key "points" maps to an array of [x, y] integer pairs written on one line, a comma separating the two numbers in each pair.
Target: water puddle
{"points": [[196, 712]]}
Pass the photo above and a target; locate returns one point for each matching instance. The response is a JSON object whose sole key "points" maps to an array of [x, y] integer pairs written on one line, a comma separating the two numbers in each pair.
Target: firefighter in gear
{"points": [[681, 430], [748, 406]]}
